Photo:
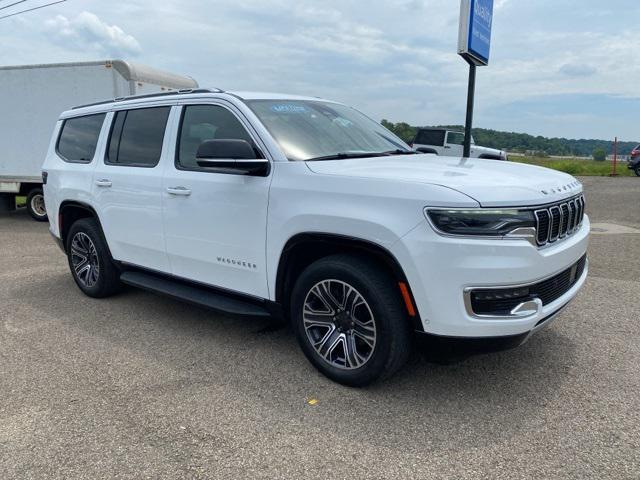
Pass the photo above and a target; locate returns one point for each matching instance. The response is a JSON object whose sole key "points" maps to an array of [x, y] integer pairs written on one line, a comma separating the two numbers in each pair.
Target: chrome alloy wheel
{"points": [[37, 205], [84, 259], [339, 324]]}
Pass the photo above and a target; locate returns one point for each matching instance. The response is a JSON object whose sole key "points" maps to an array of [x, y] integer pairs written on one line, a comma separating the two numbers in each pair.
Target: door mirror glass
{"points": [[232, 149]]}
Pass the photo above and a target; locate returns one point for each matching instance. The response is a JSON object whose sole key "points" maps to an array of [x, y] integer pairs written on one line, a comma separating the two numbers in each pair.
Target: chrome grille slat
{"points": [[573, 216], [559, 220]]}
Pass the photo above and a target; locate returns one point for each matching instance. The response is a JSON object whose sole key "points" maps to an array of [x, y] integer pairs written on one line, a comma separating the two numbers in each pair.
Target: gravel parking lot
{"points": [[143, 386]]}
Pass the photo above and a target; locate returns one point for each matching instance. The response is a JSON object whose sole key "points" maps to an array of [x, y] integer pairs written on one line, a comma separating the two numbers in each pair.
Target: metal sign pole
{"points": [[474, 45], [470, 101]]}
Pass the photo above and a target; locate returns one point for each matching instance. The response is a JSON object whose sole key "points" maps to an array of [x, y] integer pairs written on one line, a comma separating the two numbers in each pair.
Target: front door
{"points": [[454, 144], [215, 223], [127, 187]]}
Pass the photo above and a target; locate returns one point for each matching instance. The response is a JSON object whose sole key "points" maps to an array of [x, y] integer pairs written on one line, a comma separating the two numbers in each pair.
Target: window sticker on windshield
{"points": [[343, 122], [289, 108]]}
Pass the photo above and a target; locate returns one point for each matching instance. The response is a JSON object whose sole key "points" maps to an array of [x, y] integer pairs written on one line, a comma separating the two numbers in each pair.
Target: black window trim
{"points": [[95, 153], [176, 159], [438, 130], [113, 124]]}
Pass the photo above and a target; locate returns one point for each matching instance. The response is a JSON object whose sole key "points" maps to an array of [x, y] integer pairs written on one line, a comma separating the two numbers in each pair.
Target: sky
{"points": [[559, 68]]}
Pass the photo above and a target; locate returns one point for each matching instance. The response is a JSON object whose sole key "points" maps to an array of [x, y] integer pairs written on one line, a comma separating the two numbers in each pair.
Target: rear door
{"points": [[215, 223], [127, 186]]}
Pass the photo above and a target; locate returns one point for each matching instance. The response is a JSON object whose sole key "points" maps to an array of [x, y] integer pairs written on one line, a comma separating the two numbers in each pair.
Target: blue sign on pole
{"points": [[476, 18]]}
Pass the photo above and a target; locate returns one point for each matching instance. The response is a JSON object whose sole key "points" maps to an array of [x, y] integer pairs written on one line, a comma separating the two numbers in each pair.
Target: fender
{"points": [[304, 248]]}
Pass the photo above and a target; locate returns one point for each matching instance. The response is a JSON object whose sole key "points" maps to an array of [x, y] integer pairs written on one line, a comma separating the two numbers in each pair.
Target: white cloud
{"points": [[394, 59], [87, 29]]}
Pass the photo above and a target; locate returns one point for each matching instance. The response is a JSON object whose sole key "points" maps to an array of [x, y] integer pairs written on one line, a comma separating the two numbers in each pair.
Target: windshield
{"points": [[309, 129]]}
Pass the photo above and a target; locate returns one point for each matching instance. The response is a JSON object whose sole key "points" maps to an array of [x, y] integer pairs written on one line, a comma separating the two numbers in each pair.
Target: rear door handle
{"points": [[103, 182], [185, 192]]}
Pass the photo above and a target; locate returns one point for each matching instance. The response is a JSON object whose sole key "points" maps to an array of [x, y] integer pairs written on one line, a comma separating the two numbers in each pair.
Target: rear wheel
{"points": [[637, 170], [90, 261], [35, 205], [349, 320]]}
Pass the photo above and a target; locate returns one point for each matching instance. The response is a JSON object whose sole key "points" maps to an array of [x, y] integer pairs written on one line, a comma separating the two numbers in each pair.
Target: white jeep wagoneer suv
{"points": [[305, 209]]}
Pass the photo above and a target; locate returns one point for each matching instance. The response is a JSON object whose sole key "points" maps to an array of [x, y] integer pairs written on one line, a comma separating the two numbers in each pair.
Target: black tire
{"points": [[380, 292], [637, 170], [105, 279], [35, 205]]}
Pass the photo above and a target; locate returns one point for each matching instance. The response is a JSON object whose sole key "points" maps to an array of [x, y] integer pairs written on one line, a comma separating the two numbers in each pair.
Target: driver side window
{"points": [[201, 123], [455, 138]]}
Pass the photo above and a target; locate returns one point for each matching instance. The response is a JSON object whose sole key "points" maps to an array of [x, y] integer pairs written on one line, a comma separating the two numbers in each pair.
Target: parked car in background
{"points": [[305, 209], [634, 162], [32, 97], [449, 143]]}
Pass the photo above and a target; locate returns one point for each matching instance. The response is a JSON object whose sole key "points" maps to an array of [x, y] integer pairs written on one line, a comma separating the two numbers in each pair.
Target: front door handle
{"points": [[103, 182], [179, 191]]}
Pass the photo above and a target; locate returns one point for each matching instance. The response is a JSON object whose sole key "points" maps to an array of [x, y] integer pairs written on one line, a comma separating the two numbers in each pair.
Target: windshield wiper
{"points": [[401, 152], [346, 155]]}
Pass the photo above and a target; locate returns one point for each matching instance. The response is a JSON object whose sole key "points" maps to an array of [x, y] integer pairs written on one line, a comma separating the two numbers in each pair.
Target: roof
{"points": [[135, 72], [191, 93], [275, 96]]}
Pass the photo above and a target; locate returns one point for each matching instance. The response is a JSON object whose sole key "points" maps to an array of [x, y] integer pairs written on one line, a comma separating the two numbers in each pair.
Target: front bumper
{"points": [[439, 270]]}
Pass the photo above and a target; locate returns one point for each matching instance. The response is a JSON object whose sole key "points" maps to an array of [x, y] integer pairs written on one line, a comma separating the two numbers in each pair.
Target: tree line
{"points": [[523, 142]]}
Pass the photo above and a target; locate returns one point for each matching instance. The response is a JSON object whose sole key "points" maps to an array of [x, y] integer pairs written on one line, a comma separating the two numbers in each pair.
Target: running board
{"points": [[193, 294]]}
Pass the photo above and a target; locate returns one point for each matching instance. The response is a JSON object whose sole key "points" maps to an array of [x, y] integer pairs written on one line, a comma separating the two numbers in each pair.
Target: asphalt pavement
{"points": [[141, 386]]}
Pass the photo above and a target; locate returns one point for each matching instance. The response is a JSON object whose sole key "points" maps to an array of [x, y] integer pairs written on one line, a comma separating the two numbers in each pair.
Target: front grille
{"points": [[558, 221], [502, 301]]}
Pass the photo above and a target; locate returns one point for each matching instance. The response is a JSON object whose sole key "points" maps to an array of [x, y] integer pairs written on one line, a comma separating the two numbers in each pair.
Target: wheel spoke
{"points": [[327, 297], [313, 318], [339, 324], [329, 343], [352, 357], [84, 259]]}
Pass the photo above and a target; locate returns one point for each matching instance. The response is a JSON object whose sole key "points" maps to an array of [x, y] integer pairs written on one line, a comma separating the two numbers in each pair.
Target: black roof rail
{"points": [[182, 91]]}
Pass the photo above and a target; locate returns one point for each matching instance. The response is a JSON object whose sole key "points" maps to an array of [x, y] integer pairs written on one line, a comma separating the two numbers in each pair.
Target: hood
{"points": [[492, 183]]}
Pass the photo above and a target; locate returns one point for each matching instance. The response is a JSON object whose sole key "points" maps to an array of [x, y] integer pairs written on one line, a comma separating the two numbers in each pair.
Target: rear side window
{"points": [[137, 136], [430, 137], [79, 138]]}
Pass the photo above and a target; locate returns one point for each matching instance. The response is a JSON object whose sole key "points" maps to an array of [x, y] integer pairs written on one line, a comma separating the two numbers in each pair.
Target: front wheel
{"points": [[637, 170], [35, 205], [349, 320]]}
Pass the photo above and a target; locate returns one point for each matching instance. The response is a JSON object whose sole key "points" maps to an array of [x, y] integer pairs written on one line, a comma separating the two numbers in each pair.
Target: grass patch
{"points": [[21, 201], [577, 166]]}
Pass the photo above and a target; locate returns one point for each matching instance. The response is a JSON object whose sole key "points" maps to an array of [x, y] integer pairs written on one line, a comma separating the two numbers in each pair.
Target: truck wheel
{"points": [[349, 320], [637, 170], [35, 205], [90, 261]]}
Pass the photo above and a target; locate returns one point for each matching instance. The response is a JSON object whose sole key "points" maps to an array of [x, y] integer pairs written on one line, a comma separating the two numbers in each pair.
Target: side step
{"points": [[193, 294]]}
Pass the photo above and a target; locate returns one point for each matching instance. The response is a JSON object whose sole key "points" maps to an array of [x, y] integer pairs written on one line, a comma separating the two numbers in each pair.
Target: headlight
{"points": [[482, 222]]}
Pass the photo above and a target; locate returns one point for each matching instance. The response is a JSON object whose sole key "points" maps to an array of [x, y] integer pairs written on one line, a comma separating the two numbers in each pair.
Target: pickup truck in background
{"points": [[449, 143], [36, 94]]}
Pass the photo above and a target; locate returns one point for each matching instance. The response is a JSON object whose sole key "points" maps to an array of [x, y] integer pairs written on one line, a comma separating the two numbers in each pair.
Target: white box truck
{"points": [[31, 99]]}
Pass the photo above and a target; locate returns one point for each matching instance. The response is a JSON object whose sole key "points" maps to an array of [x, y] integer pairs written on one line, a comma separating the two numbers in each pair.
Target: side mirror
{"points": [[231, 156]]}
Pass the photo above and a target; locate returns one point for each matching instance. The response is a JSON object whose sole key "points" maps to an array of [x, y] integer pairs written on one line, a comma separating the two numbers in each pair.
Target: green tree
{"points": [[600, 154]]}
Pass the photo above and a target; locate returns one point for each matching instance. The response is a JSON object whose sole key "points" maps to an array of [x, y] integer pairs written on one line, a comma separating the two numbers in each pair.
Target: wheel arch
{"points": [[71, 211], [427, 150], [490, 157], [305, 248]]}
